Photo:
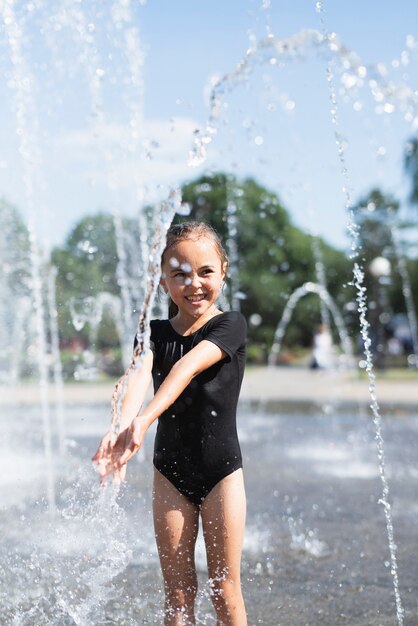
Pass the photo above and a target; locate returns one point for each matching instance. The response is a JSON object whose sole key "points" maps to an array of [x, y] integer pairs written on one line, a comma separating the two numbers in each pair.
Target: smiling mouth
{"points": [[194, 299]]}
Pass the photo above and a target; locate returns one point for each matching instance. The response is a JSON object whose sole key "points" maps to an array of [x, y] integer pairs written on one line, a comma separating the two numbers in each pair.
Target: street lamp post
{"points": [[380, 269]]}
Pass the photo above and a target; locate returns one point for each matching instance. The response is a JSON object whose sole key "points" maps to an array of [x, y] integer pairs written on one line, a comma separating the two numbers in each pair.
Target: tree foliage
{"points": [[411, 168], [274, 256], [88, 266], [15, 283], [376, 215], [14, 250]]}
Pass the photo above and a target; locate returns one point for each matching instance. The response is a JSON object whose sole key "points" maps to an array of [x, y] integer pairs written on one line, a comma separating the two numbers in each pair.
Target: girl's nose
{"points": [[192, 280]]}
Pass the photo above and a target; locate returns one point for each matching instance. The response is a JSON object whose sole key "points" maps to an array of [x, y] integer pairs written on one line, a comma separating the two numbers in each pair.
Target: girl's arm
{"points": [[200, 358], [138, 383]]}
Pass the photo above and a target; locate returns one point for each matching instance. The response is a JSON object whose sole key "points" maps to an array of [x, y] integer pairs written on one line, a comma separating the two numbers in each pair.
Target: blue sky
{"points": [[276, 126]]}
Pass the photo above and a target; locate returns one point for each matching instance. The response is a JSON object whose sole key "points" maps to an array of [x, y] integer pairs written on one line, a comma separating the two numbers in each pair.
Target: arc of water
{"points": [[358, 281], [166, 214], [25, 110], [168, 208], [385, 92], [326, 298]]}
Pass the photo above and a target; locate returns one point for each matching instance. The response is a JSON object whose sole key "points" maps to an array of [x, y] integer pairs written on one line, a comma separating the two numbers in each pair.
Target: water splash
{"points": [[96, 72], [26, 127], [232, 222], [68, 582], [83, 310], [388, 95], [165, 216], [306, 541], [361, 298]]}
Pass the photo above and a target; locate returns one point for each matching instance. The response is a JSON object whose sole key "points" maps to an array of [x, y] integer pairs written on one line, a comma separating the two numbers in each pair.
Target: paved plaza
{"points": [[282, 384]]}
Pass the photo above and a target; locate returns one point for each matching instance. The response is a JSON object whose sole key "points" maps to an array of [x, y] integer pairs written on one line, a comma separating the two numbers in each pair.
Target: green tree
{"points": [[274, 256], [410, 162], [376, 214], [15, 282], [14, 250], [87, 264]]}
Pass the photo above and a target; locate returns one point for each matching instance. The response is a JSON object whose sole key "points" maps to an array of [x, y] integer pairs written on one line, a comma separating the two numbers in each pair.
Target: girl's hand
{"points": [[103, 456], [128, 443]]}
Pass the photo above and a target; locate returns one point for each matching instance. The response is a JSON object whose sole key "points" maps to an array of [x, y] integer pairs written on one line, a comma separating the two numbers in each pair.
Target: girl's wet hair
{"points": [[194, 231]]}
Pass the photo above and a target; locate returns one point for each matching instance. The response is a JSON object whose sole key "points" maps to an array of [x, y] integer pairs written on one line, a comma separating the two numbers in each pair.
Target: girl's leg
{"points": [[223, 518], [176, 523]]}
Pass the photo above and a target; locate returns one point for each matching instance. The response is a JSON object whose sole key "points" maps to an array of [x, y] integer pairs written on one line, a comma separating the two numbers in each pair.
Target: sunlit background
{"points": [[103, 105], [292, 127]]}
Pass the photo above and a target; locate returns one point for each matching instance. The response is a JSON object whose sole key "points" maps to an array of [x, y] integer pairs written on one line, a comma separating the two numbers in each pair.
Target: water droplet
{"points": [[184, 209], [86, 246], [412, 359], [255, 319], [259, 140], [349, 80], [410, 41], [405, 58]]}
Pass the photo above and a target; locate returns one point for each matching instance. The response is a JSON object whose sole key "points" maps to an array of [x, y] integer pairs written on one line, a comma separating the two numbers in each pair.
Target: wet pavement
{"points": [[316, 549]]}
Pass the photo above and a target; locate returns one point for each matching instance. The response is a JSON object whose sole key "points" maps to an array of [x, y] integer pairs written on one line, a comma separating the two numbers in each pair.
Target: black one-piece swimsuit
{"points": [[196, 443]]}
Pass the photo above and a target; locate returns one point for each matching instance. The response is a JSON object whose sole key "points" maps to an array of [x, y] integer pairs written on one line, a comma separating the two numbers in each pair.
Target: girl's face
{"points": [[192, 275]]}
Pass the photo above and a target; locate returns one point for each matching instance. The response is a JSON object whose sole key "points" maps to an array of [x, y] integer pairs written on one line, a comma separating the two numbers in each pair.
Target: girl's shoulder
{"points": [[230, 317], [158, 322], [157, 326], [225, 320], [229, 322]]}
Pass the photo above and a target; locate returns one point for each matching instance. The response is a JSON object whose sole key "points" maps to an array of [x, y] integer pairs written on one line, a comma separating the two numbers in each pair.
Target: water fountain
{"points": [[84, 581], [305, 289]]}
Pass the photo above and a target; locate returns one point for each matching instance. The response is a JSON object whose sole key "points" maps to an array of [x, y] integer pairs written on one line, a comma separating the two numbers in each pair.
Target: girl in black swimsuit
{"points": [[196, 361]]}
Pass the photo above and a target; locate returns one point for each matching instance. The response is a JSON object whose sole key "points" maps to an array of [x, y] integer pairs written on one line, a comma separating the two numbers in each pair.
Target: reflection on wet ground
{"points": [[316, 547]]}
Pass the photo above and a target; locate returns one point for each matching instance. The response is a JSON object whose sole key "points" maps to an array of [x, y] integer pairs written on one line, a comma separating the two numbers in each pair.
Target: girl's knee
{"points": [[225, 594], [179, 597]]}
